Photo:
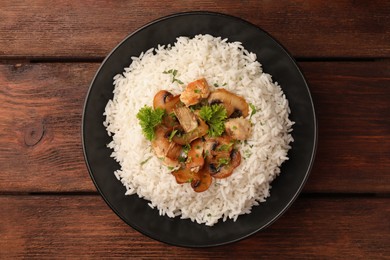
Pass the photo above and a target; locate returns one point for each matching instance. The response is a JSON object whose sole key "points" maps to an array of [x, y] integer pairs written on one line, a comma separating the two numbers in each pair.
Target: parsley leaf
{"points": [[254, 110], [149, 118], [174, 73], [215, 116], [172, 135], [223, 161]]}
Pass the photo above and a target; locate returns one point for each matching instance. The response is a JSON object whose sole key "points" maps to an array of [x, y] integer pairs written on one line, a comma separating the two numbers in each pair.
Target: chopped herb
{"points": [[206, 153], [174, 73], [247, 153], [254, 110], [209, 215], [172, 135], [171, 168], [149, 119], [234, 127], [181, 159], [215, 116], [146, 160], [197, 155], [224, 84], [186, 148], [224, 147], [197, 147], [223, 161], [189, 180], [197, 91], [216, 85]]}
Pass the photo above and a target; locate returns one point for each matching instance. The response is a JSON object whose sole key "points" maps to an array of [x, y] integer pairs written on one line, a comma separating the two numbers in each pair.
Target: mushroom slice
{"points": [[184, 175], [187, 138], [195, 160], [195, 92], [186, 118], [236, 106], [223, 171], [167, 151], [238, 128], [165, 100], [203, 182]]}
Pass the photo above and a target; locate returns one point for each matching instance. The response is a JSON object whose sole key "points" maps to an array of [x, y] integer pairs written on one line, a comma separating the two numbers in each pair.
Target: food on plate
{"points": [[201, 126], [199, 130]]}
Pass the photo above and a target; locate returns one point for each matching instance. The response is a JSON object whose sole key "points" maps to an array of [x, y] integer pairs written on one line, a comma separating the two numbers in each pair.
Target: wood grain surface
{"points": [[42, 109], [74, 226], [90, 29], [49, 53]]}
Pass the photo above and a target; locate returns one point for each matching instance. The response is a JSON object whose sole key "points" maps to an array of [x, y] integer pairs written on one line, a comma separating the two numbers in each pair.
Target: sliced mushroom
{"points": [[218, 147], [167, 151], [184, 175], [195, 160], [238, 128], [186, 118], [195, 92], [223, 171], [202, 182], [165, 100], [236, 106], [186, 138]]}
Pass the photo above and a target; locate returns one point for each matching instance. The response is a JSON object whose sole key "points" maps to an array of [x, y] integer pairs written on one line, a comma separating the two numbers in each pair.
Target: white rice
{"points": [[221, 62]]}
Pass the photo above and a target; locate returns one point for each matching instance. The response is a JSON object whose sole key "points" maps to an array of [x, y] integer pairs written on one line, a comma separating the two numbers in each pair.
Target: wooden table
{"points": [[49, 53]]}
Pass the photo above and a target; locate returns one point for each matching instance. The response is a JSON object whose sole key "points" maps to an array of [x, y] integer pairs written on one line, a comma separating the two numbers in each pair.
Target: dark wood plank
{"points": [[41, 121], [74, 226], [40, 145], [352, 102], [40, 29]]}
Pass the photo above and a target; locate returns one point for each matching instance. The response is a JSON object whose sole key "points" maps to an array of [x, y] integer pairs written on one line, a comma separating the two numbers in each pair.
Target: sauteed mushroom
{"points": [[167, 151], [186, 138], [165, 100], [236, 106]]}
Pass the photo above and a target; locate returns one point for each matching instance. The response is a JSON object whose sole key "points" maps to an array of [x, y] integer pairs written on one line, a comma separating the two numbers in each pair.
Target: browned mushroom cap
{"points": [[165, 100], [224, 171], [195, 160], [183, 175], [186, 138], [202, 182], [169, 152], [235, 106]]}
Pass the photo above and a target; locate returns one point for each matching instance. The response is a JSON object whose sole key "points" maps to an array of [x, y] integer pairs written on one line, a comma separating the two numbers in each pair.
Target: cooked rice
{"points": [[230, 66]]}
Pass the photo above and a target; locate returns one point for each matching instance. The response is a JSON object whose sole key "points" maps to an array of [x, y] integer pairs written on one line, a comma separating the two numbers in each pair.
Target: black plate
{"points": [[275, 60]]}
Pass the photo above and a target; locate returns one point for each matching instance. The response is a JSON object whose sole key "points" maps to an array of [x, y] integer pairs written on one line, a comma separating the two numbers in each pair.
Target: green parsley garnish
{"points": [[197, 91], [223, 161], [254, 110], [189, 180], [186, 148], [181, 159], [224, 147], [146, 160], [172, 135], [149, 118], [174, 73], [215, 116], [216, 85]]}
